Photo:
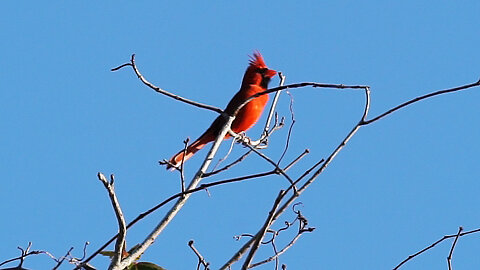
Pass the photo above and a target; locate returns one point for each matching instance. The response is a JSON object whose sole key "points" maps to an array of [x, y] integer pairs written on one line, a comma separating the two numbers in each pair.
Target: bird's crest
{"points": [[257, 60]]}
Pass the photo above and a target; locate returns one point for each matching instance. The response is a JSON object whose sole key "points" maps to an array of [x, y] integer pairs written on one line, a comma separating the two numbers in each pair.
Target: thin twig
{"points": [[78, 261], [175, 196], [292, 114], [324, 165], [449, 258], [164, 92], [247, 245], [240, 159], [258, 144], [302, 223], [225, 157], [182, 167], [436, 93], [301, 85], [25, 253], [33, 252], [273, 106], [304, 153], [201, 260], [277, 167], [122, 228], [238, 237], [276, 252], [60, 261], [433, 245], [259, 236], [307, 172], [332, 155], [278, 124], [279, 253], [181, 201], [122, 66]]}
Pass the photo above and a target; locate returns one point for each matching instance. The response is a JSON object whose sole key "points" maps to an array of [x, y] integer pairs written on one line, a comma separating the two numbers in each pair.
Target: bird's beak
{"points": [[270, 73]]}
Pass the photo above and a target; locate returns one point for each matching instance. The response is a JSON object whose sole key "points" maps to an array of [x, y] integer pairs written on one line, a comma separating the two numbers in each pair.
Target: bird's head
{"points": [[257, 72]]}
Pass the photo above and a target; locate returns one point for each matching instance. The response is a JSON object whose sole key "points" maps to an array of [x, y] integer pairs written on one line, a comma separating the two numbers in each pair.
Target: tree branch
{"points": [[164, 92], [201, 260], [273, 106], [433, 245], [122, 228], [278, 210], [259, 236], [449, 258], [281, 209], [301, 229], [181, 201], [436, 93]]}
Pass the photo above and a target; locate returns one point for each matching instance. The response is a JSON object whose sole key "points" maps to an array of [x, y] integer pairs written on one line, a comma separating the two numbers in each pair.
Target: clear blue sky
{"points": [[399, 185]]}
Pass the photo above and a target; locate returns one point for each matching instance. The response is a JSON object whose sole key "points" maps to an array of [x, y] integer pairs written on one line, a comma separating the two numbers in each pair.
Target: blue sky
{"points": [[399, 185]]}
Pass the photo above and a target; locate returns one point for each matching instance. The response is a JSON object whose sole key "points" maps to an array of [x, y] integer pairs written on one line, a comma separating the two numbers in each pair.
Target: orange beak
{"points": [[270, 73]]}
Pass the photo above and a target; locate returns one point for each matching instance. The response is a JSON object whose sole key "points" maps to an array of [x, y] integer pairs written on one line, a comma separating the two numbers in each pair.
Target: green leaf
{"points": [[144, 266], [108, 253]]}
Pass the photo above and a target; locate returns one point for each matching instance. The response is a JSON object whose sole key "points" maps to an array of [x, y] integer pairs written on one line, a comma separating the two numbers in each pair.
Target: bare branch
{"points": [[289, 129], [273, 106], [303, 154], [201, 260], [60, 261], [302, 223], [279, 253], [25, 253], [175, 196], [259, 236], [433, 245], [85, 250], [436, 93], [120, 244], [181, 201], [281, 209], [225, 157], [296, 194], [363, 121], [164, 92], [331, 157], [300, 85], [449, 258], [247, 245], [240, 159], [182, 163], [277, 167], [122, 66]]}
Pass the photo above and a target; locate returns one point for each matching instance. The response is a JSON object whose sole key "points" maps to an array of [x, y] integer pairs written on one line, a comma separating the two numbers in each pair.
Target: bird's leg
{"points": [[245, 140], [240, 137], [259, 144]]}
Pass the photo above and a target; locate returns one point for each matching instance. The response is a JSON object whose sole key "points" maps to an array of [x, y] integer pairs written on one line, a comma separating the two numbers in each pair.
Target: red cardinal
{"points": [[256, 79]]}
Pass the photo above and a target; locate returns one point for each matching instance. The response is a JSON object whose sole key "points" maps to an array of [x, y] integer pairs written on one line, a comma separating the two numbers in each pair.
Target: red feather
{"points": [[256, 79]]}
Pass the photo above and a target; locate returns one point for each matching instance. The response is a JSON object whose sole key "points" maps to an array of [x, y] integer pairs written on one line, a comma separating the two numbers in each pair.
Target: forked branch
{"points": [[122, 228]]}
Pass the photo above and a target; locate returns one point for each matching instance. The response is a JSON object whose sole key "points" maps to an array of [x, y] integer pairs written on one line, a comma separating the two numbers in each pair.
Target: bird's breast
{"points": [[249, 114]]}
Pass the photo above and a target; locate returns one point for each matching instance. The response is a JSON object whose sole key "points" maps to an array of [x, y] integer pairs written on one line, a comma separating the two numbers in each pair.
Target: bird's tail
{"points": [[176, 160]]}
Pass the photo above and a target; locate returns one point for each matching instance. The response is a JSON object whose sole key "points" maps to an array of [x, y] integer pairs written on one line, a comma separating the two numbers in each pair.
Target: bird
{"points": [[255, 80]]}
